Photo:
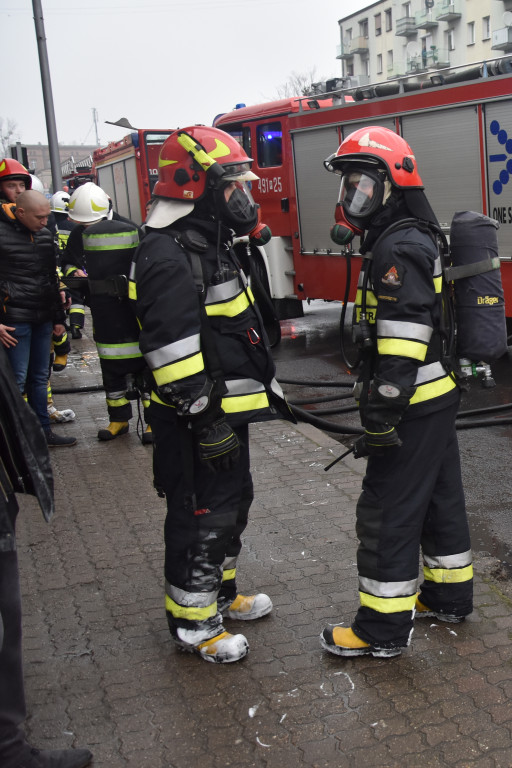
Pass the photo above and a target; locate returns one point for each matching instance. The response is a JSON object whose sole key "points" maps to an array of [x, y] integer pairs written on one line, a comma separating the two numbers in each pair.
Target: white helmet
{"points": [[37, 184], [89, 204], [59, 202]]}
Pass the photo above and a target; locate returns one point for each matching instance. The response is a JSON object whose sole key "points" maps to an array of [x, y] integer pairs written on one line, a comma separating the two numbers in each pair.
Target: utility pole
{"points": [[51, 128]]}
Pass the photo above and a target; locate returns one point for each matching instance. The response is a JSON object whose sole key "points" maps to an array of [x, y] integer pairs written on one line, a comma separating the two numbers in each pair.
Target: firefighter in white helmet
{"points": [[212, 374], [408, 398], [103, 254]]}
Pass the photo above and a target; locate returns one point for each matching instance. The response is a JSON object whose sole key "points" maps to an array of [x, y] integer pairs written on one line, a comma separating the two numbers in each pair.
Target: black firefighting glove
{"points": [[217, 445], [376, 441], [387, 402]]}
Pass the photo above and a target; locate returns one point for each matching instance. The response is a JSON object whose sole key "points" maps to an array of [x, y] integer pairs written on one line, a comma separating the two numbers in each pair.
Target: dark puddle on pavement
{"points": [[484, 543]]}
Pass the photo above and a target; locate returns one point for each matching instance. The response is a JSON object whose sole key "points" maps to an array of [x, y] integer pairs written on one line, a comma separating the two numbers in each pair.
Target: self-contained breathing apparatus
{"points": [[474, 332]]}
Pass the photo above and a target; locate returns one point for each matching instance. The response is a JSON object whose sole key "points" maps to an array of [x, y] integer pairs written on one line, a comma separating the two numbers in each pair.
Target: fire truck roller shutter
{"points": [[446, 148], [316, 190]]}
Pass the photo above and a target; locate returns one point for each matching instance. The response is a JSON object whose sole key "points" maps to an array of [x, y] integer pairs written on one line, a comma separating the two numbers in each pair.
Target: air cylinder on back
{"points": [[479, 299]]}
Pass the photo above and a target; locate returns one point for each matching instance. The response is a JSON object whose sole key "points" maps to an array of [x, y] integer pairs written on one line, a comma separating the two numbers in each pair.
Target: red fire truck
{"points": [[459, 124], [127, 170]]}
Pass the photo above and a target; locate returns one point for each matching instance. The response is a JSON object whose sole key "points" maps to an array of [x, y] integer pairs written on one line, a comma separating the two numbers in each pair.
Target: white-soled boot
{"points": [[220, 649], [247, 608]]}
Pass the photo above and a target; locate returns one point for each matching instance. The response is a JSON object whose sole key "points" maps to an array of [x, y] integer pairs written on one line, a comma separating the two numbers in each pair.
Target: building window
{"points": [[486, 28], [379, 63], [471, 33], [363, 28], [407, 10], [378, 25], [348, 35], [450, 40], [389, 24], [350, 69], [366, 64], [390, 61]]}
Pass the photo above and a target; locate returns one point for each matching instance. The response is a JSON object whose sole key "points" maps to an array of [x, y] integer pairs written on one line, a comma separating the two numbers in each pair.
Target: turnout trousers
{"points": [[412, 499], [207, 513]]}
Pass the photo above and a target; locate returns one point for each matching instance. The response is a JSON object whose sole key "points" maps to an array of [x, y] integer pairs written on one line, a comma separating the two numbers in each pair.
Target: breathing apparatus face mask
{"points": [[236, 207], [362, 195]]}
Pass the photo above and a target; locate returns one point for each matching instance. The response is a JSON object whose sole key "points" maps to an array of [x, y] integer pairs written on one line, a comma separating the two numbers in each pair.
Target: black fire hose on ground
{"points": [[317, 421]]}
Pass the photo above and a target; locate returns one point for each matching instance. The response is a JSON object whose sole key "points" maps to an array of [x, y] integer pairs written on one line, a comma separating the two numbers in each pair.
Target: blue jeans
{"points": [[30, 361]]}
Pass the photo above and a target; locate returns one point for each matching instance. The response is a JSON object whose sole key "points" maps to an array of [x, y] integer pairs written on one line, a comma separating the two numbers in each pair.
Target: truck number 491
{"points": [[270, 185]]}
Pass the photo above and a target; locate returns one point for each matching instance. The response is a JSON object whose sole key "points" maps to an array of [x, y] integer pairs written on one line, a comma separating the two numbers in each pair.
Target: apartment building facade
{"points": [[392, 38]]}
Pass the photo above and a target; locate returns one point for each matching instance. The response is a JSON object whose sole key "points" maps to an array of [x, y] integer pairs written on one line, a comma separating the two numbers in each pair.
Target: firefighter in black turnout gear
{"points": [[412, 495], [107, 248], [203, 340]]}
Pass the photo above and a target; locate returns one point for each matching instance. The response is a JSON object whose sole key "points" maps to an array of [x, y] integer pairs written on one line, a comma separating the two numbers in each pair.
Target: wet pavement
{"points": [[101, 670]]}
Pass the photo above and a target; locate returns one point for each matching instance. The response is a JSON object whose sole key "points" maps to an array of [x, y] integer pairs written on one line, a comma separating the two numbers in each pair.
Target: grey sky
{"points": [[160, 63]]}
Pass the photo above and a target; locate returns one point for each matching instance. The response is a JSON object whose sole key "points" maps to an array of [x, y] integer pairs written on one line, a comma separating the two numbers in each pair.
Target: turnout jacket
{"points": [[174, 337], [29, 285], [24, 460], [404, 305]]}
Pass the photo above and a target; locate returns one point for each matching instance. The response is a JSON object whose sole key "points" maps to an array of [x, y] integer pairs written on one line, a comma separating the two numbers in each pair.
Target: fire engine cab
{"points": [[128, 169], [459, 124]]}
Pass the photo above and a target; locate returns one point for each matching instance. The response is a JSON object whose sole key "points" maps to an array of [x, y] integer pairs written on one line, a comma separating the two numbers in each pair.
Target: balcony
{"points": [[426, 20], [343, 51], [502, 39], [434, 58], [406, 27], [359, 45], [448, 11]]}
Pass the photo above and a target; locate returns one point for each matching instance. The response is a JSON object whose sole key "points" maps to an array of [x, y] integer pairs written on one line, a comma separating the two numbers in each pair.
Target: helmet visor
{"points": [[361, 193]]}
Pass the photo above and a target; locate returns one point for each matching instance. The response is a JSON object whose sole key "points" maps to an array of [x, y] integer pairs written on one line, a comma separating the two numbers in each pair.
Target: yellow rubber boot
{"points": [[114, 429], [147, 436], [60, 362], [424, 612], [342, 641]]}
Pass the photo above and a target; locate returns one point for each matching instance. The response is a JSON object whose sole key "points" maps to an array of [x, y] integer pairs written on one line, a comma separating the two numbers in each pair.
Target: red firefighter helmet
{"points": [[199, 163], [381, 148], [12, 169], [197, 157]]}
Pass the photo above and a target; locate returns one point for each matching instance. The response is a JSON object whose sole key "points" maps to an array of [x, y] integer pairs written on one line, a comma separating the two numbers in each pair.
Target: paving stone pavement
{"points": [[102, 672]]}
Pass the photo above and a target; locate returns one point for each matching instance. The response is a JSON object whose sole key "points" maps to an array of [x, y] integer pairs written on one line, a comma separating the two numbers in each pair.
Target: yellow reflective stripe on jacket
{"points": [[174, 352], [132, 282], [431, 381], [239, 403], [229, 308], [438, 275], [228, 575], [387, 604], [179, 370], [118, 351], [110, 242], [191, 613], [401, 329], [433, 389], [371, 305], [402, 348], [448, 576], [244, 395]]}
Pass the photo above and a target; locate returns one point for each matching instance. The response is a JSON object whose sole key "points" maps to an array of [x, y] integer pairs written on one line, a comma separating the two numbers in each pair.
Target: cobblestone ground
{"points": [[101, 670]]}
